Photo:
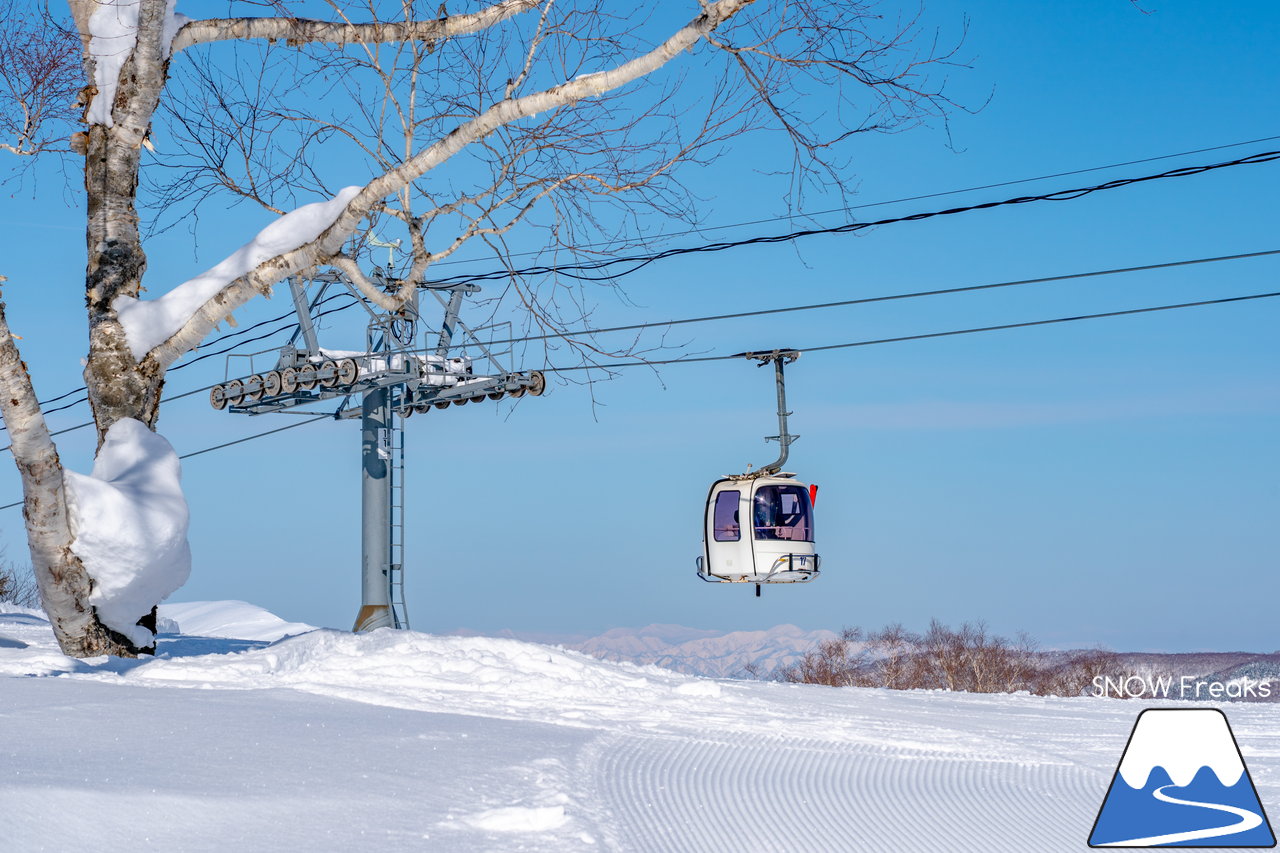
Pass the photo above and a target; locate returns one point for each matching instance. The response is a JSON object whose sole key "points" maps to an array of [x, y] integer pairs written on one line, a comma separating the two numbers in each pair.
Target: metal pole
{"points": [[450, 321], [784, 437], [375, 511], [299, 295]]}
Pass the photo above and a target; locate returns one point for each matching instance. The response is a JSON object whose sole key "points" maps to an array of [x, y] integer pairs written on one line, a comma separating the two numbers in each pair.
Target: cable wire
{"points": [[294, 425], [178, 367], [884, 203], [866, 300], [929, 335], [640, 261], [701, 359], [208, 449], [790, 309]]}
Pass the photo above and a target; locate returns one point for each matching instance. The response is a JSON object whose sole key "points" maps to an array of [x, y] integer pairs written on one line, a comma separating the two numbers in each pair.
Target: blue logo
{"points": [[1182, 783]]}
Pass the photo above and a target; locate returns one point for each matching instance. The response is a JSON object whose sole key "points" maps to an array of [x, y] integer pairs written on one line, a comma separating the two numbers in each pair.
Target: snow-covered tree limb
{"points": [[329, 243], [306, 31]]}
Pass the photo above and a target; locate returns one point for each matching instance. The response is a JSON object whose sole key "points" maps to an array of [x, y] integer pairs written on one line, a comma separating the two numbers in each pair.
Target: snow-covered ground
{"points": [[405, 741]]}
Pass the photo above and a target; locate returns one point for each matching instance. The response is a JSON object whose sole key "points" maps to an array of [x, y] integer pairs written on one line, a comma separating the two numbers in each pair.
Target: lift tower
{"points": [[392, 377]]}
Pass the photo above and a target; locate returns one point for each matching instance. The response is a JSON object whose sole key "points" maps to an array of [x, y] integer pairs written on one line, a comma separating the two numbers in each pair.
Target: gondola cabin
{"points": [[759, 530]]}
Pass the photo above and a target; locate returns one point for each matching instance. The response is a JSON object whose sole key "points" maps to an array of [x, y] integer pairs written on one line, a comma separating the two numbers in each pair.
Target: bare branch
{"points": [[40, 74], [329, 243], [295, 31], [385, 301]]}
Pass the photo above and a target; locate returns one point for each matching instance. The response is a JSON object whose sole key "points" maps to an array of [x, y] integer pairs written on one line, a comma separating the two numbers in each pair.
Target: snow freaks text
{"points": [[1185, 687]]}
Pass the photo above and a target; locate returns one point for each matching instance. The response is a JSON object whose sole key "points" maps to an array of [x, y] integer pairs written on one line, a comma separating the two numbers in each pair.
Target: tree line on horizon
{"points": [[967, 659]]}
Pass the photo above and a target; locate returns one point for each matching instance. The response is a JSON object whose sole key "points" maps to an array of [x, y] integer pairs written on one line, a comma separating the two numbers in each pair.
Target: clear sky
{"points": [[1107, 482]]}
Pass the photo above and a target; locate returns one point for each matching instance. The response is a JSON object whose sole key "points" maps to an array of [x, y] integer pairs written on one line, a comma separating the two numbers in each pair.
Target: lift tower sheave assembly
{"points": [[394, 376]]}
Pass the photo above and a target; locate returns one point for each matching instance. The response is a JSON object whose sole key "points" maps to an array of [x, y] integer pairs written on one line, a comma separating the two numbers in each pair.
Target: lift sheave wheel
{"points": [[218, 397], [289, 380], [538, 383], [253, 388], [271, 384], [328, 373], [348, 371]]}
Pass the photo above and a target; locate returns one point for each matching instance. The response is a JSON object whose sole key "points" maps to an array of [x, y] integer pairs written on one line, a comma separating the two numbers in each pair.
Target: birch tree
{"points": [[562, 106]]}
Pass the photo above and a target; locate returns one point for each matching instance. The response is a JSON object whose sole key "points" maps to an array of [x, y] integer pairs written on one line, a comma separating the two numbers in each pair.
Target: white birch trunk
{"points": [[64, 584]]}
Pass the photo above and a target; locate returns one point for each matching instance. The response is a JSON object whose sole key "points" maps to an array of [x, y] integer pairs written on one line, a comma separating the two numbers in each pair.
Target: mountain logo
{"points": [[1182, 782]]}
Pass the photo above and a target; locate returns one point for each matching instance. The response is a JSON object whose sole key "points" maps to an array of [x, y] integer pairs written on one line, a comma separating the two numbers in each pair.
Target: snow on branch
{"points": [[306, 31], [166, 333], [113, 35], [149, 323]]}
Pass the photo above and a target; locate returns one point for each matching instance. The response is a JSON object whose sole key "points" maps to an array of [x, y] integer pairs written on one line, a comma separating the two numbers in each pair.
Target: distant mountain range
{"points": [[693, 651], [719, 654]]}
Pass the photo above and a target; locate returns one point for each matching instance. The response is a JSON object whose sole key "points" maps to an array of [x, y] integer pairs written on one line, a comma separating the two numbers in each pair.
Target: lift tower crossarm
{"points": [[785, 439]]}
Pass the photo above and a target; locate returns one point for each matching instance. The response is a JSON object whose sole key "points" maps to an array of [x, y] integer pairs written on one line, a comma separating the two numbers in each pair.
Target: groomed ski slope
{"points": [[406, 741]]}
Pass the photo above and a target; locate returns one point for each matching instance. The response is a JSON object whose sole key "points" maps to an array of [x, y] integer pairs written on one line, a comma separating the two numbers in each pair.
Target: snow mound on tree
{"points": [[236, 620], [129, 522], [113, 34], [149, 323]]}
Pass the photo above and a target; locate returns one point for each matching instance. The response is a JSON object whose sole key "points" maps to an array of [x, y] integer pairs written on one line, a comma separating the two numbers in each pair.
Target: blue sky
{"points": [[1111, 482]]}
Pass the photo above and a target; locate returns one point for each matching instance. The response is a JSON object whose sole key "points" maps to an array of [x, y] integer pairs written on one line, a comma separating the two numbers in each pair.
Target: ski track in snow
{"points": [[332, 741], [751, 794]]}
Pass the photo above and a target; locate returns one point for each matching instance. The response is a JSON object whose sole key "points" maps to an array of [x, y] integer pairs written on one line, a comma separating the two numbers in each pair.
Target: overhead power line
{"points": [[206, 344], [641, 261], [867, 300], [794, 308], [851, 344], [210, 449], [884, 203], [294, 425], [928, 335], [637, 262]]}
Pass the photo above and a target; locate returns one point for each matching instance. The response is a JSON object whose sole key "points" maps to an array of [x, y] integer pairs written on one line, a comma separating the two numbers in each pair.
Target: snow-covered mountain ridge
{"points": [[693, 651]]}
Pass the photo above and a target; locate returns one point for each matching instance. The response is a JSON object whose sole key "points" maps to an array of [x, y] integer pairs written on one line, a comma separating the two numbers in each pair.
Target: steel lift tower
{"points": [[393, 378]]}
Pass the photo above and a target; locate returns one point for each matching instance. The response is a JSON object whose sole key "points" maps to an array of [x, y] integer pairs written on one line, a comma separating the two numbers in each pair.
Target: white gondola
{"points": [[758, 527], [759, 530]]}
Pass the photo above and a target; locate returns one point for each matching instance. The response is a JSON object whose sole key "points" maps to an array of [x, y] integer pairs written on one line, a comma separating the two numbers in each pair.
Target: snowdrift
{"points": [[326, 740]]}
